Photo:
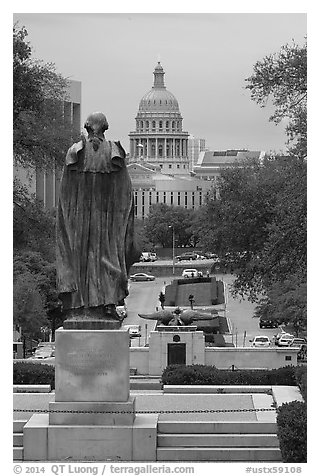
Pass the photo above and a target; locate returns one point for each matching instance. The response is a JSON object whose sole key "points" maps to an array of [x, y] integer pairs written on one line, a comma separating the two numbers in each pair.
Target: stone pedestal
{"points": [[92, 366], [93, 416]]}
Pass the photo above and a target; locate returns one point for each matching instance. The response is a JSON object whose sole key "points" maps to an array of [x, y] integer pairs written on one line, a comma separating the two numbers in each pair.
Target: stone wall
{"points": [[250, 358], [153, 360]]}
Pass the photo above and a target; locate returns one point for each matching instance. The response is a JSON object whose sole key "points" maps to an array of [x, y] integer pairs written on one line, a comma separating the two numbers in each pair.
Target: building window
{"points": [[160, 125], [161, 166], [185, 199], [167, 124], [135, 203], [153, 125], [171, 198], [192, 197], [147, 125], [179, 198], [173, 125], [170, 166], [142, 198], [200, 198], [142, 211], [178, 166], [160, 148], [157, 197], [164, 197]]}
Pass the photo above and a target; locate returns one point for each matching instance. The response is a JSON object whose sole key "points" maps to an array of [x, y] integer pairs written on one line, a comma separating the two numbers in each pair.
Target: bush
{"points": [[210, 375], [301, 378], [25, 373], [292, 432]]}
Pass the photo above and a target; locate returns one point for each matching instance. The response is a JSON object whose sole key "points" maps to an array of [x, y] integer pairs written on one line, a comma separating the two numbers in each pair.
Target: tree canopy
{"points": [[282, 77], [259, 222], [161, 217], [41, 135]]}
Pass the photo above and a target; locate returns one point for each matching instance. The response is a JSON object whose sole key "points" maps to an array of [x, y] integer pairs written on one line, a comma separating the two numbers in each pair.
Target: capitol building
{"points": [[159, 162], [166, 164], [159, 138]]}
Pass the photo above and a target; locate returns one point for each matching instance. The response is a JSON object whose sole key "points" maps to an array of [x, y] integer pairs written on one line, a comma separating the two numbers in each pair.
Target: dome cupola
{"points": [[159, 99]]}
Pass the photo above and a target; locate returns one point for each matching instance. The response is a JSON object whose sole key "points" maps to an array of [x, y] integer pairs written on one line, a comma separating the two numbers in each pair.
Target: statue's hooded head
{"points": [[95, 125]]}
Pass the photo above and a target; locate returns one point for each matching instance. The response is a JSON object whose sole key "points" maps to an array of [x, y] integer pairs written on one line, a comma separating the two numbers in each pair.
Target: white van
{"points": [[148, 256]]}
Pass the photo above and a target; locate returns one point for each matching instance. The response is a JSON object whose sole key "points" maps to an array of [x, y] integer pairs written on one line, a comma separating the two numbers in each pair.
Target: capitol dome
{"points": [[159, 138], [159, 99]]}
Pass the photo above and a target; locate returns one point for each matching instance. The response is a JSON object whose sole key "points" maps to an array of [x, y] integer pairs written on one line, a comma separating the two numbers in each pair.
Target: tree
{"points": [[142, 242], [33, 226], [43, 274], [41, 135], [28, 307], [282, 77], [286, 302], [259, 223], [160, 217]]}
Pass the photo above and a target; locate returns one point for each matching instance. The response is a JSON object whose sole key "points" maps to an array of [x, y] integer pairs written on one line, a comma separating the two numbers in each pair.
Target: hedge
{"points": [[301, 379], [210, 375], [292, 432], [26, 373]]}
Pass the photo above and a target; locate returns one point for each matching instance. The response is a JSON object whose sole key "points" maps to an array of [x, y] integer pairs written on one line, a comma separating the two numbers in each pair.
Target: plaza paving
{"points": [[156, 401]]}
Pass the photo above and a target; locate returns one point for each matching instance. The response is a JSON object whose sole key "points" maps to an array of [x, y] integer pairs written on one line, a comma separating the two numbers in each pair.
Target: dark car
{"points": [[191, 255], [268, 322]]}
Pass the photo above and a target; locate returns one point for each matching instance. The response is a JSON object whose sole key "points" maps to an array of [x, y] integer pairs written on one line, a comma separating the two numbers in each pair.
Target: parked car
{"points": [[43, 353], [268, 322], [191, 273], [212, 256], [142, 277], [133, 329], [260, 341], [189, 255], [284, 340], [298, 342]]}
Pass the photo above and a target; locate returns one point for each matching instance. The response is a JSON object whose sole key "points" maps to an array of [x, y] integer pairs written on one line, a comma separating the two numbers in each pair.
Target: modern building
{"points": [[211, 162], [45, 184], [195, 146], [159, 138]]}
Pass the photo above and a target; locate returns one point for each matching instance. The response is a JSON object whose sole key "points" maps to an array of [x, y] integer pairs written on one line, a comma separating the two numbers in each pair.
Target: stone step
{"points": [[225, 454], [218, 440], [18, 425], [18, 439], [145, 385], [18, 453], [216, 427]]}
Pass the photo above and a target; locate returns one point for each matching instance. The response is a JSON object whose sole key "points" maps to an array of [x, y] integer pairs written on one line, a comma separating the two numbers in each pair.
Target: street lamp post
{"points": [[173, 240]]}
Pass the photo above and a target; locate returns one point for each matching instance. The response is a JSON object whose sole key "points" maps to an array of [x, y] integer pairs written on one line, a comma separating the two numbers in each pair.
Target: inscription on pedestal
{"points": [[92, 365]]}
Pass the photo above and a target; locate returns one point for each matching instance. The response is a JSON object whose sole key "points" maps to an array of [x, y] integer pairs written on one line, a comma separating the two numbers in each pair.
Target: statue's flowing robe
{"points": [[94, 226]]}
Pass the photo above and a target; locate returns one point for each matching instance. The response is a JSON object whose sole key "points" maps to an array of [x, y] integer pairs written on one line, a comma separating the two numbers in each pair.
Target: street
{"points": [[143, 299]]}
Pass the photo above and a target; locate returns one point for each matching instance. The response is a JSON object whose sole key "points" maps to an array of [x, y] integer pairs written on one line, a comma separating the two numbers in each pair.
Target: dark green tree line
{"points": [[282, 78]]}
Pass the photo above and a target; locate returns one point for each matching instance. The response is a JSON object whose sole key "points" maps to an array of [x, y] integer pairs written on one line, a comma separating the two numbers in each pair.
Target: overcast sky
{"points": [[206, 58]]}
